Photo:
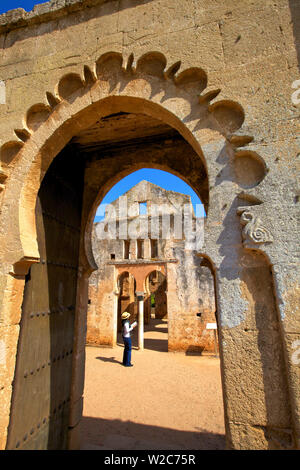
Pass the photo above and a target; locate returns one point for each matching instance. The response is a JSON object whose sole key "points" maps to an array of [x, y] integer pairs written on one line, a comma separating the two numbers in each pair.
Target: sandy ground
{"points": [[165, 401]]}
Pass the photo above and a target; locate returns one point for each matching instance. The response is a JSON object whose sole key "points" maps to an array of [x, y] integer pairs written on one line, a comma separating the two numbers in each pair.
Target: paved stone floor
{"points": [[165, 401]]}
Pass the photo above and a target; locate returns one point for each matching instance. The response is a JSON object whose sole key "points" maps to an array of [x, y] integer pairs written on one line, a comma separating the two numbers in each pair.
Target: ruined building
{"points": [[92, 90], [163, 272]]}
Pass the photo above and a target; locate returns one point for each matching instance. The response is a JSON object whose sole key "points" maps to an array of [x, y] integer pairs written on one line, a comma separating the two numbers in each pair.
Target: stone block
{"points": [[245, 437]]}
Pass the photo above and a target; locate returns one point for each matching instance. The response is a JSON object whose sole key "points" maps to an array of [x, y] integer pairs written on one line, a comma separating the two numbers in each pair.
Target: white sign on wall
{"points": [[211, 326]]}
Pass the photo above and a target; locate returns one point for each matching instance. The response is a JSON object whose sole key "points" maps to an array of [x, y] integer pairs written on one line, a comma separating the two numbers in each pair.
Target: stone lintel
{"points": [[135, 262]]}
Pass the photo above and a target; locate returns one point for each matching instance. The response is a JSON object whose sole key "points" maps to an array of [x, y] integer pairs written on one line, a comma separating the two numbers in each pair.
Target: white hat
{"points": [[125, 315]]}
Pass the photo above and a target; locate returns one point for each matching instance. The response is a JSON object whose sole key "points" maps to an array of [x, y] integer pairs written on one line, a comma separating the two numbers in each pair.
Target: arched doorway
{"points": [[193, 124], [156, 298], [156, 311], [78, 187], [127, 299]]}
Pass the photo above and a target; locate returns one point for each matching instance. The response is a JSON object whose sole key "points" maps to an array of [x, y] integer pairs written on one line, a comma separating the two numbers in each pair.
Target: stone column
{"points": [[140, 297], [132, 249], [147, 248], [115, 318], [78, 360]]}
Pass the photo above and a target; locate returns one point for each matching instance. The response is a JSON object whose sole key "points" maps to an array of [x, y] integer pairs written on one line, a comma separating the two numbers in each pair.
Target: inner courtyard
{"points": [[166, 401]]}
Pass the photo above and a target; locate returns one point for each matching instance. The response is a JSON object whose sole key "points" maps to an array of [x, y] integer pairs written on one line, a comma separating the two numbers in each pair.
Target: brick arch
{"points": [[140, 273], [120, 276], [160, 296], [163, 272], [129, 304]]}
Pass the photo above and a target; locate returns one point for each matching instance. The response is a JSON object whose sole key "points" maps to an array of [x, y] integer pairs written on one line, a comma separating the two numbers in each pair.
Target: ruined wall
{"points": [[265, 367], [189, 286], [100, 320], [155, 303], [190, 292]]}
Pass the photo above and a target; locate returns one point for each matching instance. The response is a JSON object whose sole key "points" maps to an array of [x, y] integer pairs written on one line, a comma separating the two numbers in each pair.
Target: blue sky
{"points": [[28, 5], [161, 178]]}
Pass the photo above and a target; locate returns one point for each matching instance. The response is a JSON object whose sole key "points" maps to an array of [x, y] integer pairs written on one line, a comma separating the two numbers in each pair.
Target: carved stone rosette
{"points": [[253, 230]]}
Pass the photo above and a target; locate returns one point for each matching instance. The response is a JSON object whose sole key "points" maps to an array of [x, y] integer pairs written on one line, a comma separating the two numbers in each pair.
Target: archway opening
{"points": [[127, 298], [85, 170], [167, 274], [162, 238], [156, 311]]}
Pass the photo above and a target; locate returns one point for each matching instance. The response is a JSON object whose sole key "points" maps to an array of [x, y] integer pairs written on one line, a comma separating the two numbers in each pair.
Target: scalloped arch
{"points": [[226, 116], [9, 151], [108, 65], [250, 168], [229, 115], [68, 85], [193, 79], [152, 63], [36, 115], [105, 87]]}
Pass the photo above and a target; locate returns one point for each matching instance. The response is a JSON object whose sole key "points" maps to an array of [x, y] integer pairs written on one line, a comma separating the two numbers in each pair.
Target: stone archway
{"points": [[139, 273], [156, 298], [147, 87], [111, 87], [126, 302]]}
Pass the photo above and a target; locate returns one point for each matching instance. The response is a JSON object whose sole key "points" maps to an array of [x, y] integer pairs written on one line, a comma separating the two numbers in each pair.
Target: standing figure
{"points": [[126, 334]]}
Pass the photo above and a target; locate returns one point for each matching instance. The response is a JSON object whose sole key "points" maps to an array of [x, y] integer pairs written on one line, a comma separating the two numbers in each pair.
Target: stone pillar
{"points": [[132, 249], [255, 416], [115, 318], [140, 297], [78, 360], [147, 248]]}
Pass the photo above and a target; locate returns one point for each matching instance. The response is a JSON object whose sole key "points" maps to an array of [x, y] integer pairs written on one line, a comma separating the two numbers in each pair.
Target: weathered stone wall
{"points": [[190, 291], [250, 50], [100, 324]]}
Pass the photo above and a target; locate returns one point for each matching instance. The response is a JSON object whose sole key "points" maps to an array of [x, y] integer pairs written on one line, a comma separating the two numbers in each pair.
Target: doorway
{"points": [[76, 179]]}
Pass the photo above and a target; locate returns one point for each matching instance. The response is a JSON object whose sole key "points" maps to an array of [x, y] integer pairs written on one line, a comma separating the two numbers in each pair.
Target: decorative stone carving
{"points": [[21, 268], [253, 230], [249, 167], [226, 116]]}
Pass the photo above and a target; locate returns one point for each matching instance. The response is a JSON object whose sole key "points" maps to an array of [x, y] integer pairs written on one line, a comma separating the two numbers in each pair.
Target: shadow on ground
{"points": [[98, 433], [109, 359]]}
